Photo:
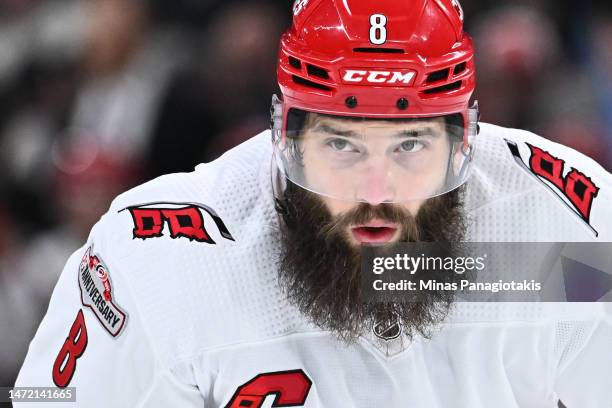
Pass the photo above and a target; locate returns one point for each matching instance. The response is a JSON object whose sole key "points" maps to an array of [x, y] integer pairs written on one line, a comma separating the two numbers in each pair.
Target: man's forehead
{"points": [[356, 123]]}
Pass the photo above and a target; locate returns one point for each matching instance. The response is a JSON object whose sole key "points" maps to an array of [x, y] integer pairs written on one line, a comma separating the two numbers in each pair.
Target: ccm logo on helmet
{"points": [[399, 77]]}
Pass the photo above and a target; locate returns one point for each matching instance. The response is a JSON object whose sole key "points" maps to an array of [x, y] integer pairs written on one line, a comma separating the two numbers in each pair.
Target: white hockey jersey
{"points": [[174, 300]]}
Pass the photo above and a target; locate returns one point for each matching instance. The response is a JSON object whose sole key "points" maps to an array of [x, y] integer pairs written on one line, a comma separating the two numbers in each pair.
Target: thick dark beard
{"points": [[320, 269]]}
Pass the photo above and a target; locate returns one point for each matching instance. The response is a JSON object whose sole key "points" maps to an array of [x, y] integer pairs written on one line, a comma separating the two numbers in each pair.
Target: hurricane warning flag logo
{"points": [[180, 220]]}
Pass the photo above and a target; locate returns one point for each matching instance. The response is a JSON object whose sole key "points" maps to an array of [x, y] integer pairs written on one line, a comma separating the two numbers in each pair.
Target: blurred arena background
{"points": [[97, 96]]}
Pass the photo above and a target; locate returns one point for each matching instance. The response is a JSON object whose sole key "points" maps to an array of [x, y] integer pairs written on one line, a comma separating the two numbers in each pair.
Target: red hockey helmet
{"points": [[377, 59]]}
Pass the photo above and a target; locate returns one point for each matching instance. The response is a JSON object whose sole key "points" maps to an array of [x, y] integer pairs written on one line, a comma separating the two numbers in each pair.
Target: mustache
{"points": [[365, 212]]}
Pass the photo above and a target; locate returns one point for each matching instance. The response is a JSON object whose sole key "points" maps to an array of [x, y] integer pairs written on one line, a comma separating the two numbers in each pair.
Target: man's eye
{"points": [[411, 146], [341, 145]]}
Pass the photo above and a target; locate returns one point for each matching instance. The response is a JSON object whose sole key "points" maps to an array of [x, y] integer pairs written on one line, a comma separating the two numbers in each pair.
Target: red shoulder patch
{"points": [[576, 190], [182, 220]]}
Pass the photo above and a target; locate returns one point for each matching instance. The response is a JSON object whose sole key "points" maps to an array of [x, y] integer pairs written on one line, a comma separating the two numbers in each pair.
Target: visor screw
{"points": [[351, 102], [402, 103]]}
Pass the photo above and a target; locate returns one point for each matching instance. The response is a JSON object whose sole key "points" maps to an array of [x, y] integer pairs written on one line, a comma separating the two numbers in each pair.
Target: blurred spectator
{"points": [[516, 46], [225, 97], [531, 78], [36, 88], [111, 93], [599, 65], [565, 110], [88, 175], [125, 74]]}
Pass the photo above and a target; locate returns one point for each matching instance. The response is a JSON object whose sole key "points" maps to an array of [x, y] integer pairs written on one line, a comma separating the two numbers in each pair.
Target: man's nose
{"points": [[375, 186]]}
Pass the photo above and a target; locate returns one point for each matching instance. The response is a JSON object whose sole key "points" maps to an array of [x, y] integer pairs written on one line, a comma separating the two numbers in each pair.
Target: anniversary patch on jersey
{"points": [[97, 293], [182, 220], [576, 190]]}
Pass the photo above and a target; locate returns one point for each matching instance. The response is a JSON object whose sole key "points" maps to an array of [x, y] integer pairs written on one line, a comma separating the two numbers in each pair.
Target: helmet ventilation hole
{"points": [[317, 71], [310, 84], [295, 63], [351, 102], [438, 75], [444, 88]]}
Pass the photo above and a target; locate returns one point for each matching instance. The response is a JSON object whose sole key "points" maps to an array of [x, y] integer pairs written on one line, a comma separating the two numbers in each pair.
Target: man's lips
{"points": [[374, 232]]}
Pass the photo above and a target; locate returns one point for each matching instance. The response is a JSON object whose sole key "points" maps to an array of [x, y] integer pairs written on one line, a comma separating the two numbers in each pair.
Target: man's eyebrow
{"points": [[424, 130], [420, 131], [327, 128]]}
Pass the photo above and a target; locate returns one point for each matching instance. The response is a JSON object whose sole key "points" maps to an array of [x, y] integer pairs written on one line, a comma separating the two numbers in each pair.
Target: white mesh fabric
{"points": [[571, 337]]}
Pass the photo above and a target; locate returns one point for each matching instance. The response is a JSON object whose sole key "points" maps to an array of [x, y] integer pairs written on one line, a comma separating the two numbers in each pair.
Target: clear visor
{"points": [[375, 161]]}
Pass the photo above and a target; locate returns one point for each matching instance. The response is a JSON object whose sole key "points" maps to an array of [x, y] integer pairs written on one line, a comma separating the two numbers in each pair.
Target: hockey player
{"points": [[237, 285]]}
